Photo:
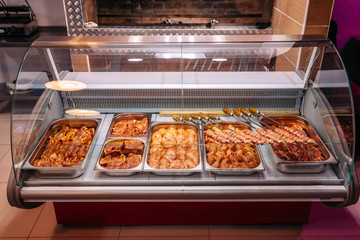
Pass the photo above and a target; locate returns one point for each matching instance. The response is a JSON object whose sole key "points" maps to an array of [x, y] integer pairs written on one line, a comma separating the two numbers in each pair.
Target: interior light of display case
{"points": [[65, 85], [179, 55], [135, 59], [219, 59], [82, 112]]}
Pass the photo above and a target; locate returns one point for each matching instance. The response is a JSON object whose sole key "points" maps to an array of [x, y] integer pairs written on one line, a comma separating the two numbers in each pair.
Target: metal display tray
{"points": [[156, 126], [301, 166], [341, 141], [121, 172], [128, 116], [233, 171], [65, 172]]}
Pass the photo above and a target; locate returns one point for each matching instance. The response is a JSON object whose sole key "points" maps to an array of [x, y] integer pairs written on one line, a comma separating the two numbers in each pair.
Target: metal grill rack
{"points": [[158, 100]]}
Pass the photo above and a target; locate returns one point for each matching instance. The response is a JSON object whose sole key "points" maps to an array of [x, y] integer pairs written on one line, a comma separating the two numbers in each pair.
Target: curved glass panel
{"points": [[125, 95], [333, 98]]}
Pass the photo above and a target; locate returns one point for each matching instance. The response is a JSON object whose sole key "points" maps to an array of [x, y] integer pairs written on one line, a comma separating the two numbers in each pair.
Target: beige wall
{"points": [[300, 17]]}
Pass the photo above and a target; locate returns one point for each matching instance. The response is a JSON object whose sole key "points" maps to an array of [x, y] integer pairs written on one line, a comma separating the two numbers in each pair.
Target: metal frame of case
{"points": [[26, 188]]}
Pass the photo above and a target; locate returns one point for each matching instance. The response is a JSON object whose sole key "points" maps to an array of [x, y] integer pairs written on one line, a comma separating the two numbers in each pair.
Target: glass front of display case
{"points": [[182, 112]]}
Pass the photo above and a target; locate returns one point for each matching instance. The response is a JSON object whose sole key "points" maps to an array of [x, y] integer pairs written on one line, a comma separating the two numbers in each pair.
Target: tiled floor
{"points": [[16, 224]]}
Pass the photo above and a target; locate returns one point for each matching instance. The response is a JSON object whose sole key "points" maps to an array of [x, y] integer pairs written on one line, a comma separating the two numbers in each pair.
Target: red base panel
{"points": [[170, 213]]}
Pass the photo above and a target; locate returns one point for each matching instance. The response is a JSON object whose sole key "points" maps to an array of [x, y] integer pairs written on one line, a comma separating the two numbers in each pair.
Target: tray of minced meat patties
{"points": [[174, 149], [129, 125], [121, 157], [230, 158], [64, 149]]}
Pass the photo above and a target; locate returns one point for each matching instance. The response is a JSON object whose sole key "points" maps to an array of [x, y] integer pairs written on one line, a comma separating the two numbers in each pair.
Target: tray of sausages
{"points": [[174, 149], [230, 158], [309, 156]]}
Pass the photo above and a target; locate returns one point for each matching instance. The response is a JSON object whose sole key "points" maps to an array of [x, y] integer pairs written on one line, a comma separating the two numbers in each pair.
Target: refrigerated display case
{"points": [[91, 81]]}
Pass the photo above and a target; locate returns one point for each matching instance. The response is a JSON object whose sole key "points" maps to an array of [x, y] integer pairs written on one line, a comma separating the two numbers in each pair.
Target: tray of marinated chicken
{"points": [[174, 149], [64, 149], [128, 125], [308, 156], [123, 151], [121, 157], [231, 152]]}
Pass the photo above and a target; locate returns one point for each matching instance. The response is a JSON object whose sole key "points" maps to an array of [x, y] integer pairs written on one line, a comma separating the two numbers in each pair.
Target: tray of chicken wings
{"points": [[308, 156], [174, 149], [121, 156], [64, 149], [227, 156]]}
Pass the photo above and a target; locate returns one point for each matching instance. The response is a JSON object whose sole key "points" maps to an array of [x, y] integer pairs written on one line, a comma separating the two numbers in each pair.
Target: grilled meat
{"points": [[65, 148], [130, 128], [173, 148]]}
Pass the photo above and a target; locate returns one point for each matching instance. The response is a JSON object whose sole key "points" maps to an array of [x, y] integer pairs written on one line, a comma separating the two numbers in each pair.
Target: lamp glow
{"points": [[135, 59], [82, 112], [65, 85], [219, 59]]}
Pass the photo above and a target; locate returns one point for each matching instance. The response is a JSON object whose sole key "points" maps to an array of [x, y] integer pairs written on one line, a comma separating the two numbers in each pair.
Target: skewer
{"points": [[206, 118], [231, 113], [238, 113], [197, 117], [249, 115], [254, 110], [186, 118], [214, 117]]}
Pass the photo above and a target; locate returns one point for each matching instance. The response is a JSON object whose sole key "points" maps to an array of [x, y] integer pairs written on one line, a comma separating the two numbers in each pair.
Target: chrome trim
{"points": [[116, 41], [184, 193]]}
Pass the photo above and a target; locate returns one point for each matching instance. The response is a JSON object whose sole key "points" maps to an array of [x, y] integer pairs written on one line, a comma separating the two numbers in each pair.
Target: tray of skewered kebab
{"points": [[174, 149], [297, 148], [64, 149], [225, 153], [123, 151]]}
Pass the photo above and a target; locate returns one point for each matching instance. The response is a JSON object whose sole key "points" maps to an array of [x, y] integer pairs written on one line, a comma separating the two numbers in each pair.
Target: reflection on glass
{"points": [[219, 59], [135, 59], [65, 85], [82, 112], [180, 55]]}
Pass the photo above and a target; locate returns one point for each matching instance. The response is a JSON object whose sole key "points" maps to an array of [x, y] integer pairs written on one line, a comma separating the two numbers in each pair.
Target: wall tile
{"points": [[275, 21], [316, 30], [294, 9], [284, 64], [319, 12], [289, 26]]}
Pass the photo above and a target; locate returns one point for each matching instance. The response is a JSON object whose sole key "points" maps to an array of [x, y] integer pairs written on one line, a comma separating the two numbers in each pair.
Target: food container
{"points": [[342, 138], [300, 166], [155, 127], [128, 116], [233, 171], [120, 172], [65, 172]]}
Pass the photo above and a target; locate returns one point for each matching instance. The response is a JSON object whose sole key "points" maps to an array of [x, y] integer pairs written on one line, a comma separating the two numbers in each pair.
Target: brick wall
{"points": [[186, 11]]}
